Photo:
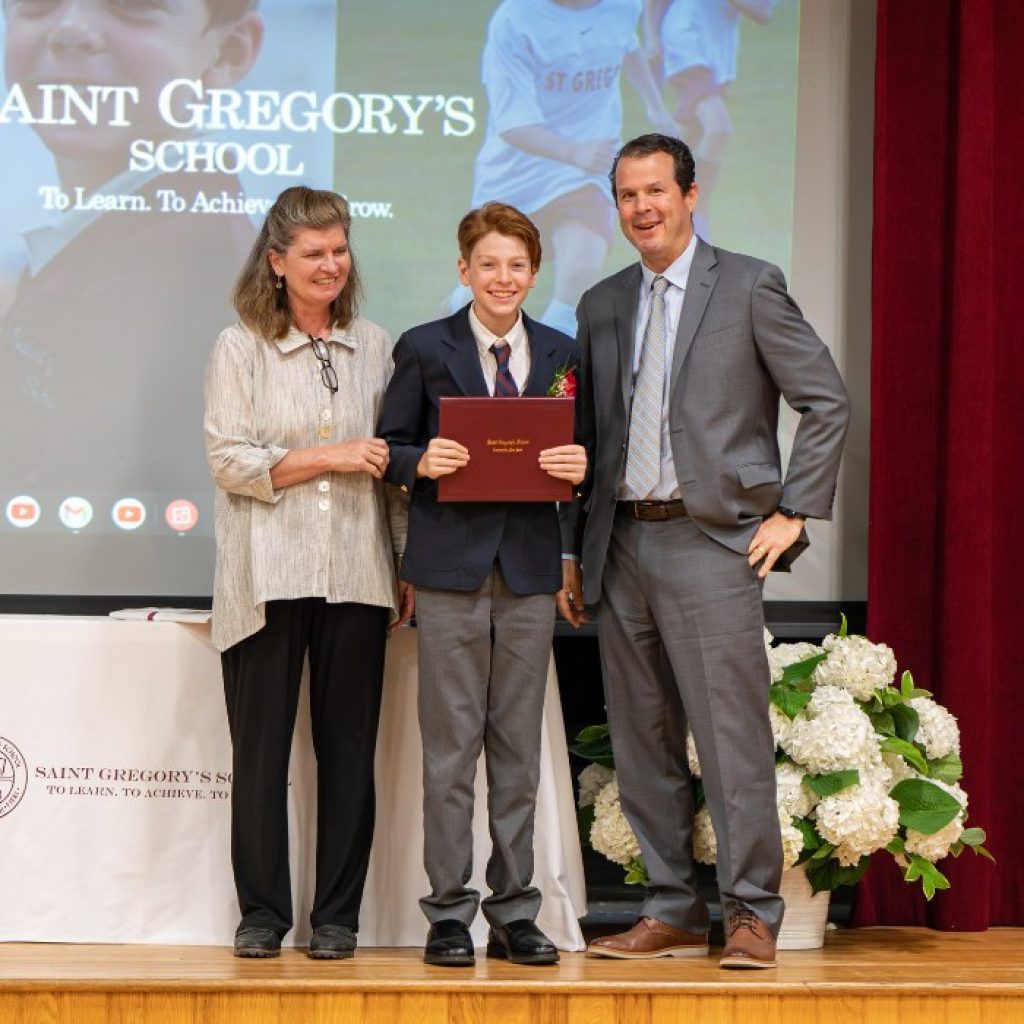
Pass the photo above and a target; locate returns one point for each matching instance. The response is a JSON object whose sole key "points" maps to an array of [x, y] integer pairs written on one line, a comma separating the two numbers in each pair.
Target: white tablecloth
{"points": [[114, 794]]}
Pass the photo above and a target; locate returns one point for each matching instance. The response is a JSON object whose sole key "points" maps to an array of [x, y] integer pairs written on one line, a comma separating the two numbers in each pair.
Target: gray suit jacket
{"points": [[741, 342]]}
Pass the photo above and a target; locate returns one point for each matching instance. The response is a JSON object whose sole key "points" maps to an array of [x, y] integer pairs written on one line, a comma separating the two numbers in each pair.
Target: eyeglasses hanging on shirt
{"points": [[323, 357]]}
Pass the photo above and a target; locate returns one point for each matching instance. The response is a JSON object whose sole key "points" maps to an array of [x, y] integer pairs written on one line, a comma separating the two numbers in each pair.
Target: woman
{"points": [[307, 537]]}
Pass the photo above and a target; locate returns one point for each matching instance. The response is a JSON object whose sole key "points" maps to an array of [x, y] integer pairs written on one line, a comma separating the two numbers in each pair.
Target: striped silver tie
{"points": [[643, 458]]}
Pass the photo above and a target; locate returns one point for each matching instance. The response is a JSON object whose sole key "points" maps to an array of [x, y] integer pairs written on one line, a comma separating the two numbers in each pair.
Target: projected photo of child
{"points": [[552, 71], [134, 237]]}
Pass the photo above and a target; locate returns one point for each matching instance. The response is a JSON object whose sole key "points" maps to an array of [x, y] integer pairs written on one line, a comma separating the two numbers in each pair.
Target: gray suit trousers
{"points": [[483, 663], [681, 637]]}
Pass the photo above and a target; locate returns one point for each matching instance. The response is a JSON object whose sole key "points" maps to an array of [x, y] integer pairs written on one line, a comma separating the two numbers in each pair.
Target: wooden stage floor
{"points": [[904, 975]]}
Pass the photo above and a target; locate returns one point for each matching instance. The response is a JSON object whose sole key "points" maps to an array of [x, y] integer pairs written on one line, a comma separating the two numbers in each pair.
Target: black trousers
{"points": [[261, 684]]}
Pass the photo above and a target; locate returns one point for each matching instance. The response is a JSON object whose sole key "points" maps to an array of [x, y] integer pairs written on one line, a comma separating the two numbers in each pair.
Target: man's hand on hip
{"points": [[774, 535]]}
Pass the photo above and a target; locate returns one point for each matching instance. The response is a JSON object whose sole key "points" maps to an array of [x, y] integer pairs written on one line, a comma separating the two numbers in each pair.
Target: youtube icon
{"points": [[23, 511]]}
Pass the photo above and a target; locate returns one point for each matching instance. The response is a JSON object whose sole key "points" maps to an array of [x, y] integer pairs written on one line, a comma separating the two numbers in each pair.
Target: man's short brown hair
{"points": [[505, 220]]}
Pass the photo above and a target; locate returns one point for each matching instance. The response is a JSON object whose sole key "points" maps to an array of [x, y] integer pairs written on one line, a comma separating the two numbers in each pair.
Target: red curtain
{"points": [[946, 531]]}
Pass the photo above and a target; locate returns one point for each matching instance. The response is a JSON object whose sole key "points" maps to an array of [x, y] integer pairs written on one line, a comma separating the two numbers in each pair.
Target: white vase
{"points": [[803, 926]]}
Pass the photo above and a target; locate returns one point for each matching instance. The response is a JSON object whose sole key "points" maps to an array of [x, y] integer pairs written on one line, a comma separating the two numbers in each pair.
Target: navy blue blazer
{"points": [[453, 545]]}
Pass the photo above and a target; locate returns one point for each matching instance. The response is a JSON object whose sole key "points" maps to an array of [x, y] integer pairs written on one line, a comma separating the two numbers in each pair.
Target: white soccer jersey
{"points": [[559, 68], [703, 33]]}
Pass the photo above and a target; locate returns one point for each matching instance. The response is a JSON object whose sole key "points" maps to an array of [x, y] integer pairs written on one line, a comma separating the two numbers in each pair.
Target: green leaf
{"points": [[811, 838], [896, 846], [907, 721], [698, 794], [842, 624], [833, 782], [948, 769], [924, 807], [636, 872], [909, 753], [852, 875], [932, 879], [823, 851], [883, 724], [984, 853], [801, 671], [908, 690], [973, 836], [823, 875], [594, 744], [584, 823], [889, 697], [789, 701]]}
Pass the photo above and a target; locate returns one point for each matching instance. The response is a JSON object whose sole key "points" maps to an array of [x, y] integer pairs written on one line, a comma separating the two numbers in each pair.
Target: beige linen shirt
{"points": [[336, 535]]}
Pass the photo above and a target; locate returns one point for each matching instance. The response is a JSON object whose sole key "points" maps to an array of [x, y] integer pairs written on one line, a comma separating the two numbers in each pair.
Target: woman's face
{"points": [[315, 266]]}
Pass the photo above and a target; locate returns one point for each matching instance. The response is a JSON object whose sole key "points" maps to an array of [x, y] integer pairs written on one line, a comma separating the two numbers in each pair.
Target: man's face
{"points": [[654, 214], [142, 43], [500, 274]]}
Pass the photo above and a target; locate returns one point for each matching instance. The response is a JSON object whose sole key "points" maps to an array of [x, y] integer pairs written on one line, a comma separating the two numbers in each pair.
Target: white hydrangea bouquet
{"points": [[861, 765]]}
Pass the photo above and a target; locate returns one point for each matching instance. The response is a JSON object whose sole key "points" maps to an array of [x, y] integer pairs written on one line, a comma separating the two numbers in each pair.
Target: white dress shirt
{"points": [[518, 361], [677, 274]]}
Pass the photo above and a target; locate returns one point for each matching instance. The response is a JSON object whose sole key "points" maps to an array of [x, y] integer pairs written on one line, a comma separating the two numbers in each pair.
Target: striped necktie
{"points": [[643, 458], [504, 383]]}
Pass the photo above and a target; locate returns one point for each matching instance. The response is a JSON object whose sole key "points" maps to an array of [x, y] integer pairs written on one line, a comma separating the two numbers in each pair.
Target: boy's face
{"points": [[500, 274], [142, 43]]}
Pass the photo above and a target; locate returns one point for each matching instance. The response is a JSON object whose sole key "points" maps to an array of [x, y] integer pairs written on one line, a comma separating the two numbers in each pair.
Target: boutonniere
{"points": [[563, 385]]}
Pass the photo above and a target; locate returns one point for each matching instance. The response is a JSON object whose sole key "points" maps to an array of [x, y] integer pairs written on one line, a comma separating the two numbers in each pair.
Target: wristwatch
{"points": [[790, 514]]}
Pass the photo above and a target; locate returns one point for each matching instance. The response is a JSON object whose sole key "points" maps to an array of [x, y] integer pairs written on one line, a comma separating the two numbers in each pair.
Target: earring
{"points": [[279, 282]]}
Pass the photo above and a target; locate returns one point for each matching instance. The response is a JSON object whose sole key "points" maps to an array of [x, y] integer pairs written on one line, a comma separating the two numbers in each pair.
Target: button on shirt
{"points": [[518, 361], [677, 275], [334, 536]]}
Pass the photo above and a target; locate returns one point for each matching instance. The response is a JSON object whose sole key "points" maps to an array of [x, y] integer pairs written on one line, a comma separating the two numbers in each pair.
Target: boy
{"points": [[102, 349], [485, 576]]}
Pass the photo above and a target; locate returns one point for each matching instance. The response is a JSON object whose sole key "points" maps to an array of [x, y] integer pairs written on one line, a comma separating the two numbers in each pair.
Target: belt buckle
{"points": [[653, 511]]}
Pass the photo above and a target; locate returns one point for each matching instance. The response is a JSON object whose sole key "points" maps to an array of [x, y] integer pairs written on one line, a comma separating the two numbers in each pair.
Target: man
{"points": [[484, 573], [683, 513]]}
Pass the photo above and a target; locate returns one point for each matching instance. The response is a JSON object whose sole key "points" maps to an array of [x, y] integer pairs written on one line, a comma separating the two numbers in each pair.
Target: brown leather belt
{"points": [[653, 511]]}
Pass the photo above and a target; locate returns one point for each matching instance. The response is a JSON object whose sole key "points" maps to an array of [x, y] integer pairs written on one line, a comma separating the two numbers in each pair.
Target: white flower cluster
{"points": [[832, 734], [856, 664], [788, 654], [592, 780], [610, 834], [705, 844], [780, 726], [938, 733], [792, 840], [936, 846], [795, 800], [857, 821], [691, 755]]}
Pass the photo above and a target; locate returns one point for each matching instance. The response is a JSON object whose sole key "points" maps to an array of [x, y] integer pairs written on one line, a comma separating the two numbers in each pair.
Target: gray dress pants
{"points": [[483, 663], [681, 636]]}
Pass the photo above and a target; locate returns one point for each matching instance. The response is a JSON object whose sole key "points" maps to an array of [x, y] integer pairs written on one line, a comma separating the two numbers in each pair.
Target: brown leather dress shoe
{"points": [[748, 942], [647, 939]]}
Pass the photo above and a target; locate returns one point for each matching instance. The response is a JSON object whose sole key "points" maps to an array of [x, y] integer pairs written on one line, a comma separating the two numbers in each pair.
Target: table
{"points": [[115, 781]]}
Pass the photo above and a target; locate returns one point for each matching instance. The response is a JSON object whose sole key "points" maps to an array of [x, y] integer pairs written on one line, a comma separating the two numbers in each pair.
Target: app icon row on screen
{"points": [[76, 513]]}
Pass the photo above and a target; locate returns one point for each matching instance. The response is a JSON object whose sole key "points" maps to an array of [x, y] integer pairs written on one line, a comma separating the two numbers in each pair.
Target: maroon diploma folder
{"points": [[504, 437]]}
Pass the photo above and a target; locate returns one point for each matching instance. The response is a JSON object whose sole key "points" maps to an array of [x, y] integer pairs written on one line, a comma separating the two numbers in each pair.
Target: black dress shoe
{"points": [[449, 945], [261, 943], [521, 942], [332, 942]]}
